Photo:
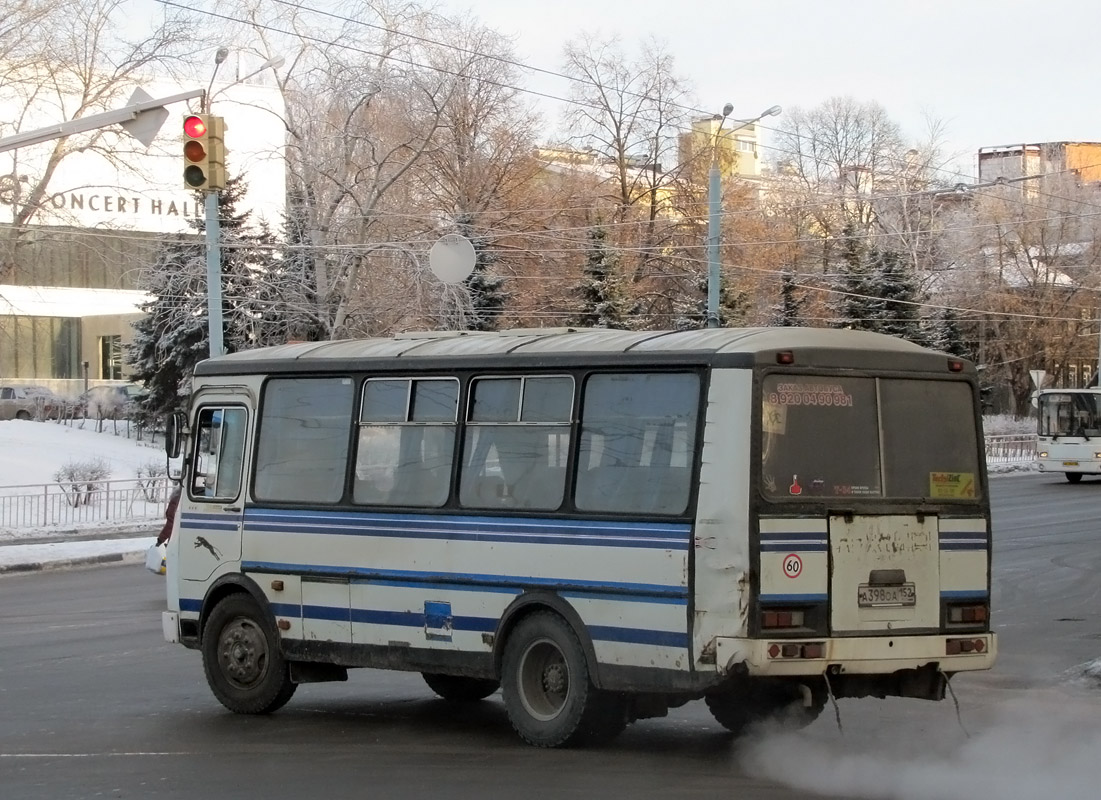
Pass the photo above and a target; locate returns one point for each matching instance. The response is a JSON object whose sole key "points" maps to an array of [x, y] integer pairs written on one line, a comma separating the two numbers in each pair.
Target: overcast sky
{"points": [[994, 72]]}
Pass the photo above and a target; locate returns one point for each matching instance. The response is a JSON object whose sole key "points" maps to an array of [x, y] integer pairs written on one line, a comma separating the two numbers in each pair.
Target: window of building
{"points": [[110, 357]]}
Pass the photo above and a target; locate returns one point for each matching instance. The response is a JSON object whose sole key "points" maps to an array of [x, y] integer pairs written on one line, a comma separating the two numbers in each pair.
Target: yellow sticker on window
{"points": [[774, 417], [951, 484]]}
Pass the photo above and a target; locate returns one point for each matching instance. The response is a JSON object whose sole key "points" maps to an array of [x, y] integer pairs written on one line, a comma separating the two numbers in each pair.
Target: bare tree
{"points": [[475, 175], [71, 60], [363, 106], [628, 113], [1028, 259]]}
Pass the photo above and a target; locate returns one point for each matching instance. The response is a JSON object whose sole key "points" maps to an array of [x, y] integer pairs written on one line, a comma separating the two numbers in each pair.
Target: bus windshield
{"points": [[868, 437], [1069, 414]]}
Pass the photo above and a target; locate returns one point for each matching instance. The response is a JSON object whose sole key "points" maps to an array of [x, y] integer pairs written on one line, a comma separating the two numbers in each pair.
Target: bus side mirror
{"points": [[174, 429]]}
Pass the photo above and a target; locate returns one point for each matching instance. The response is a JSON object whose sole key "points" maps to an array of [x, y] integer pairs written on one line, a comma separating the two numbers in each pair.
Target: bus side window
{"points": [[406, 442], [517, 438], [637, 443], [219, 453]]}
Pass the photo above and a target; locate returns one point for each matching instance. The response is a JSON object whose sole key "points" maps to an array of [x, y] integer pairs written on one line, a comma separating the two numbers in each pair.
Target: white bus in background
{"points": [[1069, 431], [603, 524]]}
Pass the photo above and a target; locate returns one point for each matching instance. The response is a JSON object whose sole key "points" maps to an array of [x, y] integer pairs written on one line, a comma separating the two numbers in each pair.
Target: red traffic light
{"points": [[194, 127]]}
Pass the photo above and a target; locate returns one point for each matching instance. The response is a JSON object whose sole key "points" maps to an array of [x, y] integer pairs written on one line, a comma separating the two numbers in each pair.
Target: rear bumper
{"points": [[861, 655]]}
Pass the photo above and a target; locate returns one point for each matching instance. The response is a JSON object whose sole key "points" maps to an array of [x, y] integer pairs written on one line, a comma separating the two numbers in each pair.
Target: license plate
{"points": [[868, 596], [1070, 463]]}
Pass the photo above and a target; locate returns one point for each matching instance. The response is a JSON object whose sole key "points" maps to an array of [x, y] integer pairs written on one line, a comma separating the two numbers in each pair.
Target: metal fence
{"points": [[71, 416], [83, 503], [1018, 448]]}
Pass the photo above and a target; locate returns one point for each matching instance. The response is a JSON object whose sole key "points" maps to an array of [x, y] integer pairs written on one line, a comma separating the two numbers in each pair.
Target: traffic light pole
{"points": [[213, 274]]}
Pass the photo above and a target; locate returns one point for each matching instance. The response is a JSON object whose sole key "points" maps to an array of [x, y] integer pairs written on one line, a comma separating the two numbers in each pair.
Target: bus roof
{"points": [[731, 346]]}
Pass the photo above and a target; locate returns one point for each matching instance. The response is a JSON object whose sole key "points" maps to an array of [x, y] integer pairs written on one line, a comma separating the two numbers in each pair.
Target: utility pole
{"points": [[714, 210]]}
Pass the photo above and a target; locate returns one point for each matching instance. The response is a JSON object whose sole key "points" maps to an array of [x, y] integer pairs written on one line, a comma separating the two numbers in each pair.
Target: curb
{"points": [[87, 561]]}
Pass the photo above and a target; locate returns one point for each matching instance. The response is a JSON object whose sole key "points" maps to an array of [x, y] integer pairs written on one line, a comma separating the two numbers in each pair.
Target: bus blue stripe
{"points": [[663, 536], [793, 598], [478, 522], [415, 619], [607, 633], [965, 594], [560, 537], [418, 577]]}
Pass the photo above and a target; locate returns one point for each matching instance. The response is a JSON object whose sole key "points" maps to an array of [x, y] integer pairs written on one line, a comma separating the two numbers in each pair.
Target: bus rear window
{"points": [[846, 437]]}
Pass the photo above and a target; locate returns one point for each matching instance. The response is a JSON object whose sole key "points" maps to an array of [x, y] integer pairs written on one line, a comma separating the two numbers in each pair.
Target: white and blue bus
{"points": [[603, 524]]}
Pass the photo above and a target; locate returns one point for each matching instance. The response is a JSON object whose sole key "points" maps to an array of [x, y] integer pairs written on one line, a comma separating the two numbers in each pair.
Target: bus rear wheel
{"points": [[1074, 477], [241, 658], [459, 689], [549, 696], [749, 702]]}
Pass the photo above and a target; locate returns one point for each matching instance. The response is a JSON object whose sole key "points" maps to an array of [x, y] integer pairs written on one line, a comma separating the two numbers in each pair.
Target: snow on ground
{"points": [[34, 451], [30, 454], [131, 549]]}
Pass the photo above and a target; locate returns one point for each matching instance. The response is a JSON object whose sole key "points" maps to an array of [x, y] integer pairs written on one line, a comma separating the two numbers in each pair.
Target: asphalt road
{"points": [[93, 703]]}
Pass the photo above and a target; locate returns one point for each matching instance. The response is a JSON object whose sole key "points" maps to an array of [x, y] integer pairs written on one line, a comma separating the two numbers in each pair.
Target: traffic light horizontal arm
{"points": [[92, 122]]}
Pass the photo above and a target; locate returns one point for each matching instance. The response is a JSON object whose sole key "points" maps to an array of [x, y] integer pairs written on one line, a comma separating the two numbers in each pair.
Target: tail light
{"points": [[968, 615], [796, 650], [954, 647], [779, 618]]}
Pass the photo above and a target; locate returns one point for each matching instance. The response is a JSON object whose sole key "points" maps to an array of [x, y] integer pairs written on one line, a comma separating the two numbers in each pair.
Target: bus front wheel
{"points": [[241, 658], [458, 689], [549, 696], [1074, 477]]}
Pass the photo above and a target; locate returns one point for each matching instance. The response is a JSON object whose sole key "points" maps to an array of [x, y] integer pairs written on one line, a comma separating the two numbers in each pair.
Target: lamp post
{"points": [[714, 209]]}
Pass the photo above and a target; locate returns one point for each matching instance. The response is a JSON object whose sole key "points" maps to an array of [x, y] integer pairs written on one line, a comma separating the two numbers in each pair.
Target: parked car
{"points": [[114, 401], [24, 401]]}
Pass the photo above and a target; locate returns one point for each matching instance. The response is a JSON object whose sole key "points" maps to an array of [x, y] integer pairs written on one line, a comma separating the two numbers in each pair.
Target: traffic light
{"points": [[204, 152]]}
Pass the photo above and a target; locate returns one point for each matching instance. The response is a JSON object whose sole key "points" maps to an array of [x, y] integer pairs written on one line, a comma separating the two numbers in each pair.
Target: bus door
{"points": [[211, 509], [885, 572]]}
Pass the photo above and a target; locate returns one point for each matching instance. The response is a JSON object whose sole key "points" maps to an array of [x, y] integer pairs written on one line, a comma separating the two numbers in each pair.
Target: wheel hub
{"points": [[243, 654], [555, 680]]}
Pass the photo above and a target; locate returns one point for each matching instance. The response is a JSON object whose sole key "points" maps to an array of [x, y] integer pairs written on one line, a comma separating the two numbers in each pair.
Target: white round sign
{"points": [[452, 258]]}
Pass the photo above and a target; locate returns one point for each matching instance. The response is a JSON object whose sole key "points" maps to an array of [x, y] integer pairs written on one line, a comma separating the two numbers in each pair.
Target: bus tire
{"points": [[1074, 477], [23, 415], [459, 689], [241, 658], [549, 696], [749, 703]]}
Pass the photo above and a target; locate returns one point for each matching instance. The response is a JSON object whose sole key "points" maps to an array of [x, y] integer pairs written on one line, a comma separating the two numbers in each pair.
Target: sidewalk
{"points": [[74, 549]]}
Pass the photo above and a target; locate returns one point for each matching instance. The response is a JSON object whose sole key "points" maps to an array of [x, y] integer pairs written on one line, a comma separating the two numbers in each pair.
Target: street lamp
{"points": [[274, 62], [714, 209]]}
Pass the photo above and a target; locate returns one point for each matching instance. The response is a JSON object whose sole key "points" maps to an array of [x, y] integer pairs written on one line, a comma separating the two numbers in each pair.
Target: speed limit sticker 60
{"points": [[793, 565]]}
